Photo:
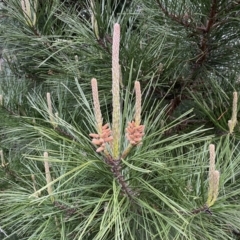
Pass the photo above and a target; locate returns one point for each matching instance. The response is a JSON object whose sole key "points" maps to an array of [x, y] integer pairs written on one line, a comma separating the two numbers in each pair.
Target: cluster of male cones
{"points": [[108, 140]]}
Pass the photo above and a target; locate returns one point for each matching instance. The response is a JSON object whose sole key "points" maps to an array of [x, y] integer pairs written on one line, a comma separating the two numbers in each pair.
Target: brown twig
{"points": [[212, 16], [222, 115], [103, 43], [36, 32], [64, 133], [205, 30], [179, 19], [116, 169], [204, 208], [69, 211]]}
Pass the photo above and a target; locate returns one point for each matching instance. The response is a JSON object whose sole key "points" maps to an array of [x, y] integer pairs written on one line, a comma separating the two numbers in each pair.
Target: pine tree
{"points": [[122, 119]]}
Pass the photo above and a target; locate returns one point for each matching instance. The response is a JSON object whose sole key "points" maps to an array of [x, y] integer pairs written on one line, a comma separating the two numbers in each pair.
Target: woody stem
{"points": [[116, 169]]}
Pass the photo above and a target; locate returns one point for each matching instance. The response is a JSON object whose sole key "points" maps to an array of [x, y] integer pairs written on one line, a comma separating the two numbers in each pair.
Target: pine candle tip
{"points": [[234, 109], [212, 158], [138, 104], [137, 84], [212, 148], [94, 81], [117, 26], [45, 154], [216, 174], [96, 103]]}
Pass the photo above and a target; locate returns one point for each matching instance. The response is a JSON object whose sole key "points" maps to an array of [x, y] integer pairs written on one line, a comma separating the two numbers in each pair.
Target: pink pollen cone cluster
{"points": [[134, 133], [101, 139]]}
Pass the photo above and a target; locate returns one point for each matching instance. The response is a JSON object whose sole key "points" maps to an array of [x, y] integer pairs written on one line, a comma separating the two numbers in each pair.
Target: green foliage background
{"points": [[185, 55]]}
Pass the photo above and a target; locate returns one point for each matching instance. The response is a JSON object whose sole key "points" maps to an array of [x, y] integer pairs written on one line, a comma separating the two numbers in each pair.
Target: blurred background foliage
{"points": [[185, 55]]}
